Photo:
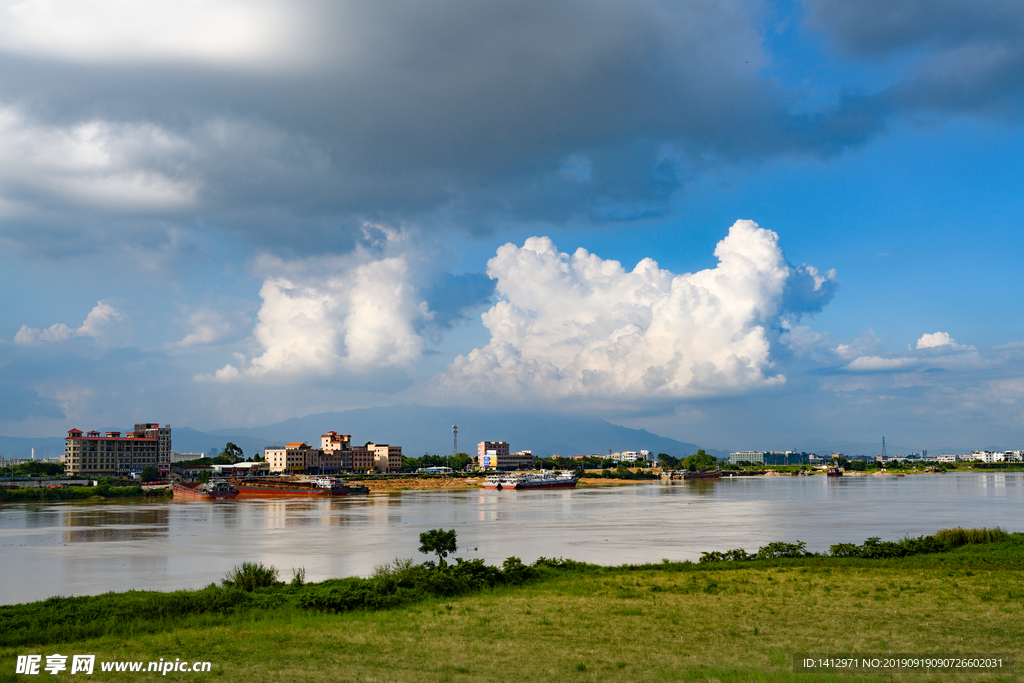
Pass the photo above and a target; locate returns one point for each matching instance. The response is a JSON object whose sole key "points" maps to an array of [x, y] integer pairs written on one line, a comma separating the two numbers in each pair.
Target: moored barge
{"points": [[209, 491], [319, 486], [707, 474]]}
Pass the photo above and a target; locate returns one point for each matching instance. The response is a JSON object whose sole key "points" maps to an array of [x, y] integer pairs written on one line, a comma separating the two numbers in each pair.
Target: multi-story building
{"points": [[185, 457], [362, 459], [494, 455], [489, 452], [293, 458], [633, 456], [386, 458], [337, 452], [92, 454], [746, 456], [151, 430]]}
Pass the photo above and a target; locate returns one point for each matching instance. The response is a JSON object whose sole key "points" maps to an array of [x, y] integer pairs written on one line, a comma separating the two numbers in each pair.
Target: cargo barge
{"points": [[320, 486], [208, 491], [708, 474]]}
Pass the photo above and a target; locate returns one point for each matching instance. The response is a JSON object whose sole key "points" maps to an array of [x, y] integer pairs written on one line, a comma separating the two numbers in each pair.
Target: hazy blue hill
{"points": [[188, 440], [422, 429]]}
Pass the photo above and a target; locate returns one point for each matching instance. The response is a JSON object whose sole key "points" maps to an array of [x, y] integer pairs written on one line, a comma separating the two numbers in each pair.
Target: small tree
{"points": [[438, 541], [203, 476], [150, 473], [233, 452]]}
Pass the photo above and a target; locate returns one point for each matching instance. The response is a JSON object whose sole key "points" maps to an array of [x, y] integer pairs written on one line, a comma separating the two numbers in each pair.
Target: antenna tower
{"points": [[455, 441], [884, 454]]}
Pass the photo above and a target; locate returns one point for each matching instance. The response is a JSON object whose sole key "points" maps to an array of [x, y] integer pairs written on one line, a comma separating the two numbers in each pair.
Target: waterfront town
{"points": [[95, 454]]}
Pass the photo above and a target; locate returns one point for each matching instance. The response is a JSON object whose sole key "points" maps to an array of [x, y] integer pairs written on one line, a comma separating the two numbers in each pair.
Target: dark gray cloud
{"points": [[967, 56], [454, 113]]}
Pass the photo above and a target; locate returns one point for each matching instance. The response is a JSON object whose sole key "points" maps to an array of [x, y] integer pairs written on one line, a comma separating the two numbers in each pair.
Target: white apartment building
{"points": [[633, 456]]}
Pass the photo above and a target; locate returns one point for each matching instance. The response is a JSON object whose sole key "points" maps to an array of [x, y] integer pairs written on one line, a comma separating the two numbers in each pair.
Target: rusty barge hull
{"points": [[197, 491], [272, 488]]}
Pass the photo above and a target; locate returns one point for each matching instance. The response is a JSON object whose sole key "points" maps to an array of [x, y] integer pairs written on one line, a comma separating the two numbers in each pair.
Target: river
{"points": [[90, 547]]}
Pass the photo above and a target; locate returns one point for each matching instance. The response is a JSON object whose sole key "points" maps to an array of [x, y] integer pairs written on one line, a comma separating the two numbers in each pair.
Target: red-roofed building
{"points": [[110, 454], [336, 452]]}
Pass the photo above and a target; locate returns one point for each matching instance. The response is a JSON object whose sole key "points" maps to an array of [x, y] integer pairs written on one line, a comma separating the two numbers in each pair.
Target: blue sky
{"points": [[228, 214]]}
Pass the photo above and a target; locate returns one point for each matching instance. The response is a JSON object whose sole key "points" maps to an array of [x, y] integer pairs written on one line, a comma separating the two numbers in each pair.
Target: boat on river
{"points": [[706, 474], [293, 486], [209, 491], [834, 472], [532, 480]]}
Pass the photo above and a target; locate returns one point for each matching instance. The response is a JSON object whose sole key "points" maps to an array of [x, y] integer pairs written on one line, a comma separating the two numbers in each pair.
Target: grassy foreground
{"points": [[720, 621]]}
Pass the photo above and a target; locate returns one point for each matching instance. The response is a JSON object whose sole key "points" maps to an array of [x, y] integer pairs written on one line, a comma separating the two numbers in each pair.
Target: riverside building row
{"points": [[336, 454]]}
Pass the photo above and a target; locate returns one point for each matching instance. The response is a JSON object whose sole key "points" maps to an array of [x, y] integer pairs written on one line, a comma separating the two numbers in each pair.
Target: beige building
{"points": [[377, 457], [92, 454], [386, 458], [293, 458]]}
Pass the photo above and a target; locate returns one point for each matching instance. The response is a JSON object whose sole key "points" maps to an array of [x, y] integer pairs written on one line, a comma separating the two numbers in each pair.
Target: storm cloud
{"points": [[307, 119]]}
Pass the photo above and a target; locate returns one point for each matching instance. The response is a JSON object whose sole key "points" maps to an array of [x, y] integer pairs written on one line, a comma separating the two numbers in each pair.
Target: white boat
{"points": [[532, 480]]}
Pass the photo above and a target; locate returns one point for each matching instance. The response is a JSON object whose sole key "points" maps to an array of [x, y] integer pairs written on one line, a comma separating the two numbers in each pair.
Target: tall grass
{"points": [[956, 537]]}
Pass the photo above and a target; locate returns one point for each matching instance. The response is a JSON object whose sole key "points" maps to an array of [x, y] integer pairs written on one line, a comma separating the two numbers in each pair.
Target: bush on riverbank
{"points": [[873, 548], [619, 473], [939, 542], [104, 490]]}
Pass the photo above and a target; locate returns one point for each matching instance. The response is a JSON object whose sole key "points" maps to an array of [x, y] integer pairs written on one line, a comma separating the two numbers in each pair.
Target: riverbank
{"points": [[100, 492], [670, 621], [422, 483]]}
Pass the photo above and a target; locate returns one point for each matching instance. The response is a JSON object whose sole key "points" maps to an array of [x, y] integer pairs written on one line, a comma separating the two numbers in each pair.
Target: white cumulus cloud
{"points": [[224, 32], [357, 314], [98, 325], [581, 326], [939, 340]]}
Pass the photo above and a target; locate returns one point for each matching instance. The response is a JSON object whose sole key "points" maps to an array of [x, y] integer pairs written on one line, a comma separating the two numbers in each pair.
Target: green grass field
{"points": [[730, 621]]}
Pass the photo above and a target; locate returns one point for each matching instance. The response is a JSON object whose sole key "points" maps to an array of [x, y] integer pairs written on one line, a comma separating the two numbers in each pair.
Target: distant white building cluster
{"points": [[983, 456], [794, 458]]}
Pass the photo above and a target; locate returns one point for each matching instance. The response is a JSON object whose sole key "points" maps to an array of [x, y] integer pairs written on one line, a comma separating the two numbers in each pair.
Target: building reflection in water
{"points": [[114, 523]]}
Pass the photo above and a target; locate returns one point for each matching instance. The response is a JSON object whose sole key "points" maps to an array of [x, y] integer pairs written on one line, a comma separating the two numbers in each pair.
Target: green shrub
{"points": [[939, 542], [250, 576]]}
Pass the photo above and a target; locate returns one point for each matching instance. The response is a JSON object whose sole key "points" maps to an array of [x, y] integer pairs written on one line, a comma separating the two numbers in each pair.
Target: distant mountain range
{"points": [[418, 430]]}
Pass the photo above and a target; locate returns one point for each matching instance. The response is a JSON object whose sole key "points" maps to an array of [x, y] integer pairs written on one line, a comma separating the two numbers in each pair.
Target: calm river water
{"points": [[79, 548]]}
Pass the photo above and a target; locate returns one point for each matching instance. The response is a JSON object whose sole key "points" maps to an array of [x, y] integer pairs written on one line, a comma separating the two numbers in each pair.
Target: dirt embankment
{"points": [[418, 484]]}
